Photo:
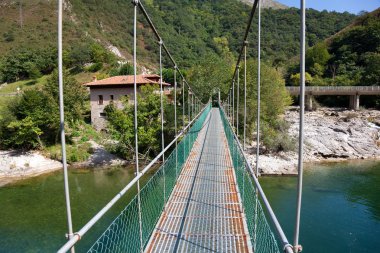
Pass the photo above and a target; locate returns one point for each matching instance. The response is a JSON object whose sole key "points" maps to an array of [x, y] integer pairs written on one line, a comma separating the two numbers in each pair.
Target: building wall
{"points": [[98, 119]]}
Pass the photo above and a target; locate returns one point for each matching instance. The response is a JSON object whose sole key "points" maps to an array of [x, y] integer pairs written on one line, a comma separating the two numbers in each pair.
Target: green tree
{"points": [[32, 120], [26, 64], [99, 54], [317, 58], [75, 96], [121, 123], [210, 74], [371, 74], [274, 100], [295, 79], [79, 55], [9, 36], [25, 134], [126, 69]]}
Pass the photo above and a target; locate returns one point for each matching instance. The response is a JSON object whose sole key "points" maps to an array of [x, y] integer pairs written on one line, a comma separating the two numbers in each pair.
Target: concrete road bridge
{"points": [[353, 91]]}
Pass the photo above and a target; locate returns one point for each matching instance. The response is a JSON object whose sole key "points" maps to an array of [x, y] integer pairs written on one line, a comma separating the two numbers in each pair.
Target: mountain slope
{"points": [[189, 28], [350, 57]]}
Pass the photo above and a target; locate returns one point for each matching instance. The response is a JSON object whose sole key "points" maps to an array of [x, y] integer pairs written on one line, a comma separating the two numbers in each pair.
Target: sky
{"points": [[353, 6]]}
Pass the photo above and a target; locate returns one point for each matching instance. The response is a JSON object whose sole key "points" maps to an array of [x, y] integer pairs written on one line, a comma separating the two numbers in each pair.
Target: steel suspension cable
{"points": [[135, 2], [183, 103], [258, 108], [237, 102], [188, 107], [192, 104], [233, 104], [297, 247], [175, 119], [162, 119], [245, 94], [62, 125], [228, 104], [258, 90], [183, 111]]}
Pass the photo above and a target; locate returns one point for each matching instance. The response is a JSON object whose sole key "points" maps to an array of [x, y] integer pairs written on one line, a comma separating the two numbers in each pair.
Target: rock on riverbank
{"points": [[330, 135], [16, 165]]}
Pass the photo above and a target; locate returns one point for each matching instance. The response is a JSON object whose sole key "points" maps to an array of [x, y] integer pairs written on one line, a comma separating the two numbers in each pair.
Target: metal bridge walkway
{"points": [[204, 212]]}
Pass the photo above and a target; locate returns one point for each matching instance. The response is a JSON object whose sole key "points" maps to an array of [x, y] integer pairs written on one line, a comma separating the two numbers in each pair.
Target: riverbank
{"points": [[17, 165], [331, 135]]}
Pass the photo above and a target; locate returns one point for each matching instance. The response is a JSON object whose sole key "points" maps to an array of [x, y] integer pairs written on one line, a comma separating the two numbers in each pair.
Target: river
{"points": [[340, 208], [340, 212], [33, 214]]}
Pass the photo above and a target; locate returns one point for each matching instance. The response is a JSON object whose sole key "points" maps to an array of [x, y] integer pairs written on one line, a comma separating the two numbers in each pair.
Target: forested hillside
{"points": [[351, 57], [190, 29]]}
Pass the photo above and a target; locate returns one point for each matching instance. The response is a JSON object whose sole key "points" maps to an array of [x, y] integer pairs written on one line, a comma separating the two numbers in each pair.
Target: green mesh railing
{"points": [[262, 237], [123, 235]]}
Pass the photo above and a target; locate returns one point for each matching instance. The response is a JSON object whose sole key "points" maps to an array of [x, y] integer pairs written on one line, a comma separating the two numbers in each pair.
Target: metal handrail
{"points": [[287, 247], [78, 235]]}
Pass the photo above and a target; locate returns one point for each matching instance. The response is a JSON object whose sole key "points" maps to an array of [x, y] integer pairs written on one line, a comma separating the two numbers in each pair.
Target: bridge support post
{"points": [[354, 102], [309, 102]]}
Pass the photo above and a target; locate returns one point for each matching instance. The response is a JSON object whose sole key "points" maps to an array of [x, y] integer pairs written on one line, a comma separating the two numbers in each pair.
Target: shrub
{"points": [[8, 36], [95, 67]]}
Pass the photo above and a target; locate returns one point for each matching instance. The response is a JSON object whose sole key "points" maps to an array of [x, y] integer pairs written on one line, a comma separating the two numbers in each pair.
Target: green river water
{"points": [[340, 208], [340, 213]]}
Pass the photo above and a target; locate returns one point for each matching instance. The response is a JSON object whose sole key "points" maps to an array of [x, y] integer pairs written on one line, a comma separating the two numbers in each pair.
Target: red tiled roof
{"points": [[127, 80]]}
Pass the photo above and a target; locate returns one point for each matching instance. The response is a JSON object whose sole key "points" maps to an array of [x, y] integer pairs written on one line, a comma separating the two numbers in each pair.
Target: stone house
{"points": [[111, 90]]}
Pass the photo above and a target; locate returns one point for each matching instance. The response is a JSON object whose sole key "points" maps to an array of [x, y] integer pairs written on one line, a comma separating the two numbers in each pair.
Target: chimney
{"points": [[94, 79]]}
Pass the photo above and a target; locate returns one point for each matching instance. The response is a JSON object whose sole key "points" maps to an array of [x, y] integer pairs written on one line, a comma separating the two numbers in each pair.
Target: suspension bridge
{"points": [[205, 196]]}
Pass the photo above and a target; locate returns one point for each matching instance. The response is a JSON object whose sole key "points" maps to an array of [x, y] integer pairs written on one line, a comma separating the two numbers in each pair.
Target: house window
{"points": [[111, 97], [100, 101], [103, 114]]}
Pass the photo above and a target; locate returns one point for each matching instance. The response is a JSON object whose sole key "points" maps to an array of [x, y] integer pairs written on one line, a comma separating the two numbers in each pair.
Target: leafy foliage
{"points": [[210, 74], [26, 64], [349, 58], [121, 122], [213, 73], [32, 120], [274, 100]]}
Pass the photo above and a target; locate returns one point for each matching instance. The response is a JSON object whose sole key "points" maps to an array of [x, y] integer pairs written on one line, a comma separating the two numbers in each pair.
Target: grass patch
{"points": [[80, 149], [84, 77], [25, 84], [74, 153]]}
